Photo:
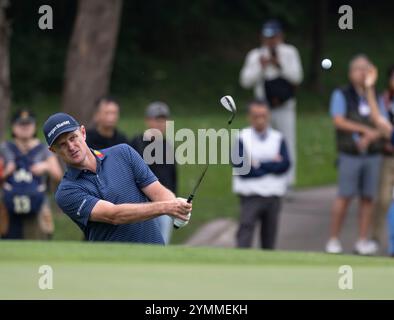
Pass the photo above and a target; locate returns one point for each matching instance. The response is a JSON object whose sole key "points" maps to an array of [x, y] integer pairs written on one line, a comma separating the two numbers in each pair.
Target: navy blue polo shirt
{"points": [[121, 173]]}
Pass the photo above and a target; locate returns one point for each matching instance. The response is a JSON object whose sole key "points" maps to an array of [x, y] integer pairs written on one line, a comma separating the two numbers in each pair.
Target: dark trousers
{"points": [[254, 209]]}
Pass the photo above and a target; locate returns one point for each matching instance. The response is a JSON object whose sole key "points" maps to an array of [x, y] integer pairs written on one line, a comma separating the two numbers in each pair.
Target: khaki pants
{"points": [[385, 196]]}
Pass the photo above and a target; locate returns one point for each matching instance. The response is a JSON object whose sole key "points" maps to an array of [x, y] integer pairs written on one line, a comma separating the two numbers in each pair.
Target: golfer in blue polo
{"points": [[111, 194]]}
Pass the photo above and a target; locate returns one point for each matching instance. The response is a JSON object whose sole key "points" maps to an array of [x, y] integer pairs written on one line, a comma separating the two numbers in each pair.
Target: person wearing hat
{"points": [[111, 194], [156, 115], [27, 164], [104, 134], [274, 70]]}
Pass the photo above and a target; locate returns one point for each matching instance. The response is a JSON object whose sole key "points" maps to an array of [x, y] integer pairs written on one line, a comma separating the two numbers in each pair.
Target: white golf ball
{"points": [[326, 63]]}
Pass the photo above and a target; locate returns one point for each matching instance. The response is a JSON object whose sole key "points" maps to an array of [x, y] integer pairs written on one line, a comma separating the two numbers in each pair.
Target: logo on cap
{"points": [[59, 125]]}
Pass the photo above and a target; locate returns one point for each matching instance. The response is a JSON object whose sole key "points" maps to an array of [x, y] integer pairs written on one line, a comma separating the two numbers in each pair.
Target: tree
{"points": [[5, 87], [90, 56]]}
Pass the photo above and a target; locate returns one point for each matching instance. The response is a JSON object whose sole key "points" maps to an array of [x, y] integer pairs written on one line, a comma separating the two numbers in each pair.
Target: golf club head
{"points": [[228, 103]]}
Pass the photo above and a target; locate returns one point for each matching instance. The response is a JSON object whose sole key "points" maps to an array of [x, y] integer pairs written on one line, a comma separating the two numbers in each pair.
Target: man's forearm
{"points": [[292, 70], [137, 212], [108, 212], [157, 192], [349, 125], [380, 122], [9, 169], [251, 72], [375, 114]]}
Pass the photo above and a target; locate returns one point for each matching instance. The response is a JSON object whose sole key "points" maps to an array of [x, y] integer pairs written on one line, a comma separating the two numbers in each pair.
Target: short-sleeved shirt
{"points": [[9, 155], [338, 105], [165, 171], [120, 175]]}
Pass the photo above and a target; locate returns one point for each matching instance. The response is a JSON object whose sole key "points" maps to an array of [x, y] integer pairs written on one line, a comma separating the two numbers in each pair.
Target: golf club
{"points": [[229, 104]]}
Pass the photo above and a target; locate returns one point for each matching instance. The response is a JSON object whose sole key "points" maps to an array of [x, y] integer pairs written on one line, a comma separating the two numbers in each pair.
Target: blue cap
{"points": [[271, 28], [57, 124]]}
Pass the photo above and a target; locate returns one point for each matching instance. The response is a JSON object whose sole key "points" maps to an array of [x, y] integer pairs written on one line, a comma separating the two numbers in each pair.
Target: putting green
{"points": [[124, 271]]}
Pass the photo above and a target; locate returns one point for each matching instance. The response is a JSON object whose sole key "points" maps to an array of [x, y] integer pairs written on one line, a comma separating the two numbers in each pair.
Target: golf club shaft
{"points": [[178, 224], [191, 196]]}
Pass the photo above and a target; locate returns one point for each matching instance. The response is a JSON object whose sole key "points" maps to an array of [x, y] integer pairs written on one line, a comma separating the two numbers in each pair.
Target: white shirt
{"points": [[253, 73], [261, 150]]}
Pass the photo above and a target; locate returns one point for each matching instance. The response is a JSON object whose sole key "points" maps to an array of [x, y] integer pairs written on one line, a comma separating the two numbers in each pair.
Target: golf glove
{"points": [[178, 223]]}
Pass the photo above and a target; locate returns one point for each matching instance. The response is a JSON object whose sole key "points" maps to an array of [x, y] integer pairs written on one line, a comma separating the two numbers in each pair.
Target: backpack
{"points": [[278, 91], [24, 193]]}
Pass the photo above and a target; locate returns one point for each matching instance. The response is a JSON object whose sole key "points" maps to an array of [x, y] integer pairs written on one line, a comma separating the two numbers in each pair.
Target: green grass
{"points": [[124, 271]]}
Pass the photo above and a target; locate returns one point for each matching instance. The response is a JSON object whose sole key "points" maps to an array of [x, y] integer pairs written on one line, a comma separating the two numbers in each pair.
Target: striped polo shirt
{"points": [[121, 174]]}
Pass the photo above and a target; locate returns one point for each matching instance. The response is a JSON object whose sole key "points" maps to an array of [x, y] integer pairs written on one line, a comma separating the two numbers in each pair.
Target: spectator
{"points": [[105, 134], [359, 145], [27, 162], [273, 71], [3, 211], [156, 115], [262, 188], [386, 128], [386, 185]]}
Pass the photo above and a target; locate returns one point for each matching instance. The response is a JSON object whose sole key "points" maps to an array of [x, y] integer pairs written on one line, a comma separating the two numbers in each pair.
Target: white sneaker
{"points": [[365, 247], [375, 245], [334, 246]]}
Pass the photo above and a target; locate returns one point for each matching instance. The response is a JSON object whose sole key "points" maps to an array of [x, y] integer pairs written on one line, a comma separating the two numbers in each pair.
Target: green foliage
{"points": [[160, 39]]}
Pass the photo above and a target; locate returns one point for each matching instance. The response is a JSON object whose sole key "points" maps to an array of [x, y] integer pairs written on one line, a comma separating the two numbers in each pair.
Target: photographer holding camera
{"points": [[273, 71]]}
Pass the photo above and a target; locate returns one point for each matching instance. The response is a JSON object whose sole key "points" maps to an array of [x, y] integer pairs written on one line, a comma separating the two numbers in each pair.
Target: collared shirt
{"points": [[165, 170], [261, 135], [120, 175]]}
